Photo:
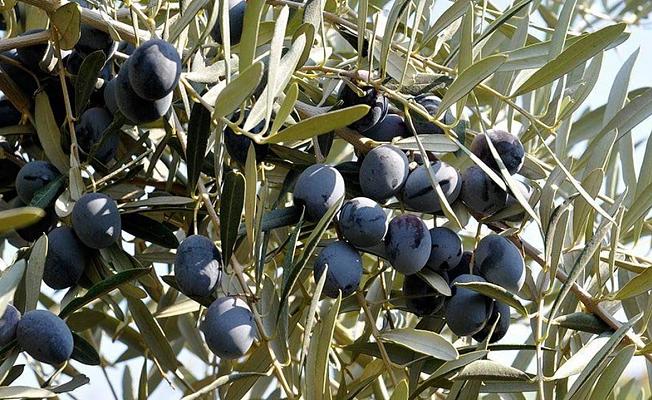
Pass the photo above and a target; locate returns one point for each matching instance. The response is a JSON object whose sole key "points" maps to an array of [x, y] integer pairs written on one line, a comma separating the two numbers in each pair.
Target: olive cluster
{"points": [[228, 326], [387, 176], [136, 86], [140, 93]]}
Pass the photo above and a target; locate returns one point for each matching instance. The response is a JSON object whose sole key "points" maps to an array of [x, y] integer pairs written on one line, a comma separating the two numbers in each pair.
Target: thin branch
{"points": [[94, 19], [30, 39]]}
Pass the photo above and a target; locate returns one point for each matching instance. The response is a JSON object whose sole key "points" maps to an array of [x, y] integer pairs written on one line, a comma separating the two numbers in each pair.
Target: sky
{"points": [[640, 38]]}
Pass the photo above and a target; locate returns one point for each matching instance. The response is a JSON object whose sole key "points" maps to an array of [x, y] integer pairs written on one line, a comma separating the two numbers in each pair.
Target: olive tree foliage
{"points": [[582, 315]]}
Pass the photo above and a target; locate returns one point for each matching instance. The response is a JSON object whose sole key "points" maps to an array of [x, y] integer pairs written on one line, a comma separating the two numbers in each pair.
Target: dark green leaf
{"points": [[44, 197], [49, 133], [87, 79], [319, 124], [278, 218], [199, 130], [149, 229], [102, 288], [310, 246], [231, 206], [14, 373], [84, 352]]}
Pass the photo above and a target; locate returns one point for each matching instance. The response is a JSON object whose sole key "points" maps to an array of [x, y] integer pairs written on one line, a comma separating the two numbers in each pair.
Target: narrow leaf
{"points": [[251, 27], [34, 273], [609, 377], [84, 352], [153, 335], [469, 79], [45, 196], [87, 78], [576, 54], [581, 321], [425, 342], [24, 392], [231, 206], [238, 90], [21, 217], [101, 288], [149, 230], [199, 130], [49, 134], [317, 361], [319, 124]]}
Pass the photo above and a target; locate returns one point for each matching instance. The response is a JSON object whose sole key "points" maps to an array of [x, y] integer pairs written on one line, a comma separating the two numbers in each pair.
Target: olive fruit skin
{"points": [[418, 193], [480, 193], [8, 169], [66, 259], [110, 99], [344, 269], [383, 172], [8, 325], [407, 244], [45, 336], [96, 220], [32, 177], [154, 69], [420, 298], [238, 145], [126, 47], [23, 79], [446, 251], [229, 327], [363, 222], [500, 262], [375, 100], [236, 22], [9, 115], [467, 312], [92, 39], [424, 127], [73, 62], [392, 126], [92, 124], [197, 266], [501, 310], [31, 56], [318, 188], [508, 146], [462, 267], [135, 108], [527, 191]]}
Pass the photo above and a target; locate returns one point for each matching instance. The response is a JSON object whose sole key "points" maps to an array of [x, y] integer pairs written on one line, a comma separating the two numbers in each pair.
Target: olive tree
{"points": [[323, 199]]}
